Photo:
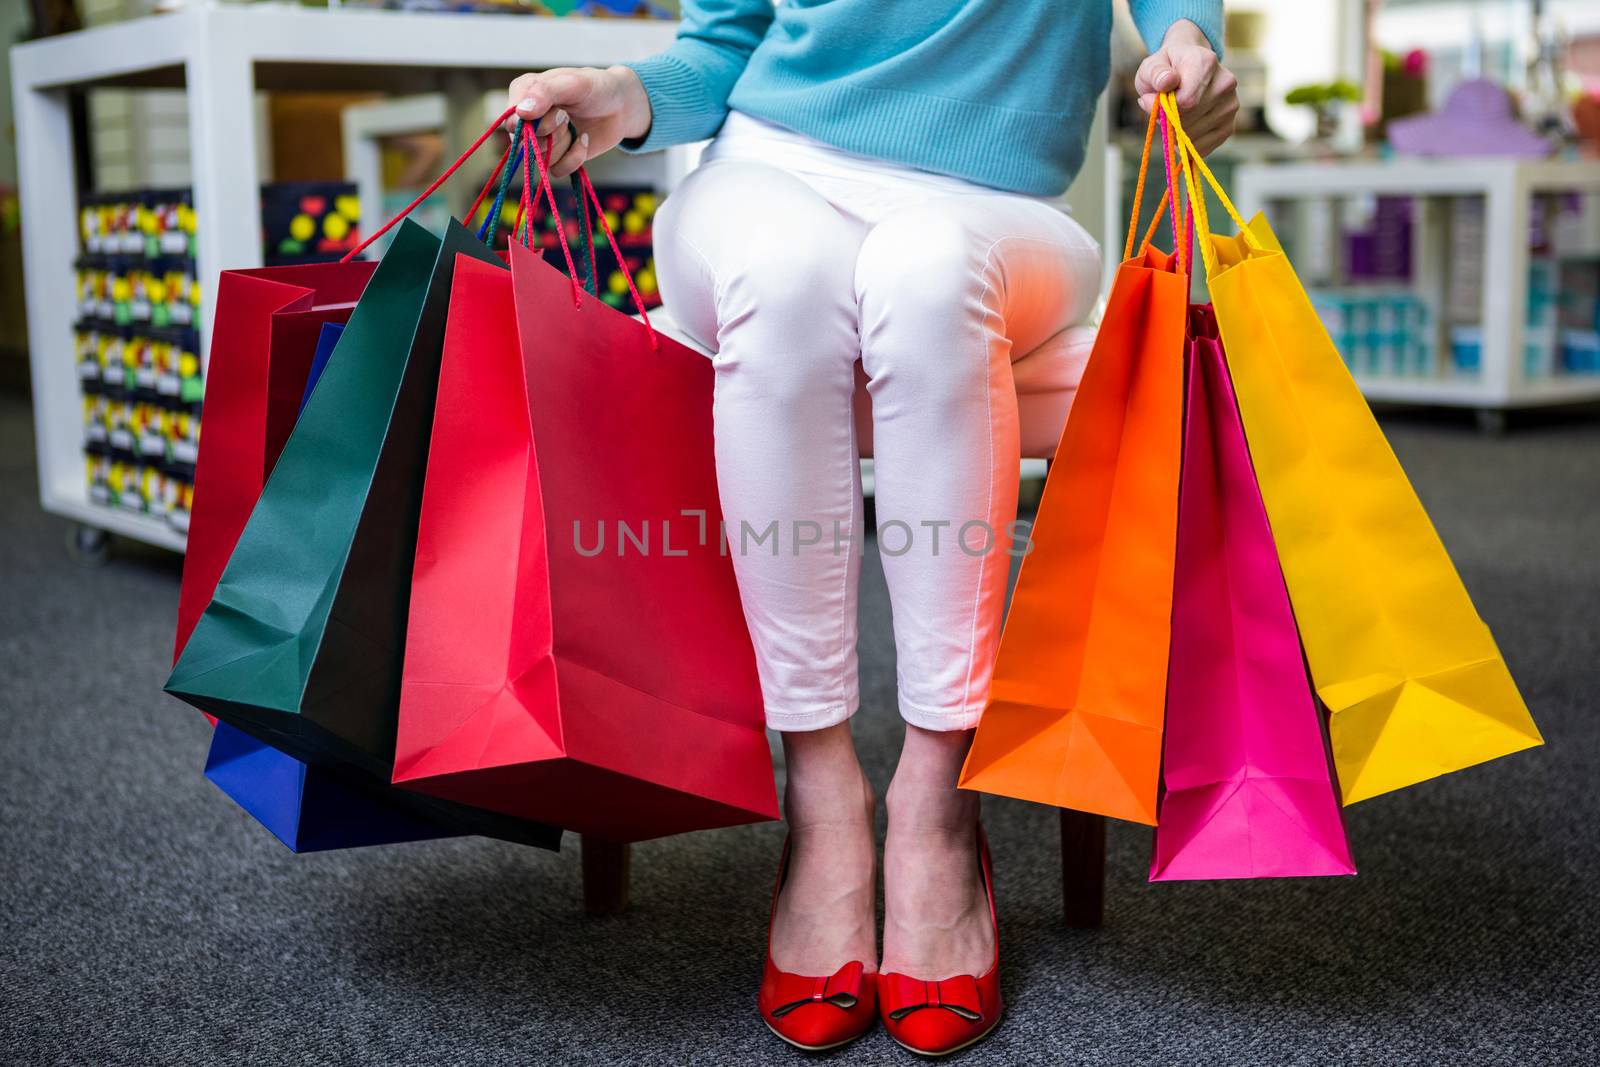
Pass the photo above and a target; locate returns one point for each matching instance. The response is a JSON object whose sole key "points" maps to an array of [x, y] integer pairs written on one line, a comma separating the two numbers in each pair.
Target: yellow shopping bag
{"points": [[1413, 681]]}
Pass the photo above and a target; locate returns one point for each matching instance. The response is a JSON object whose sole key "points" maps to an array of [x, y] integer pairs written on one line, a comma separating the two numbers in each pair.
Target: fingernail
{"points": [[526, 105], [583, 139]]}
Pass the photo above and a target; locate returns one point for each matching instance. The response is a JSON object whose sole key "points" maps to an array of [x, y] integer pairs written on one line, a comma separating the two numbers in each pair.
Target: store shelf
{"points": [[1507, 187], [292, 47], [1464, 392], [223, 55], [74, 504], [1559, 389], [1255, 184]]}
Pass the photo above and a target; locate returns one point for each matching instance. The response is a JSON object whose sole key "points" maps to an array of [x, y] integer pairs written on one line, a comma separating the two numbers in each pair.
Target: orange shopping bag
{"points": [[1076, 705]]}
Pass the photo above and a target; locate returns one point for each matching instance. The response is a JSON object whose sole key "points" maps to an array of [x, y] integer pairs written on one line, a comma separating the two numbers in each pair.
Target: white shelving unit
{"points": [[1508, 187], [223, 55]]}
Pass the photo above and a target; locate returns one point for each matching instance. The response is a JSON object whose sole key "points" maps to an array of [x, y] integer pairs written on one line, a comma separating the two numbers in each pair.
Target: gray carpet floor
{"points": [[144, 919]]}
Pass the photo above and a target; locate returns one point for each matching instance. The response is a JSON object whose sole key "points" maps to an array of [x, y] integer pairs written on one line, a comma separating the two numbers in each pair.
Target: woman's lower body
{"points": [[793, 262]]}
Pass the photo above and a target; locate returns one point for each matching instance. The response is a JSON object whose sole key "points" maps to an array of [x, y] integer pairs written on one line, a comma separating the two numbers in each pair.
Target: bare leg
{"points": [[936, 915], [826, 910]]}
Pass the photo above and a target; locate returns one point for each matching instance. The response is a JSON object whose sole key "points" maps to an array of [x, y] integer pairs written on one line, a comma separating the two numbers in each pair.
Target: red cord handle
{"points": [[466, 220], [627, 275], [550, 198], [561, 230], [532, 144], [430, 190]]}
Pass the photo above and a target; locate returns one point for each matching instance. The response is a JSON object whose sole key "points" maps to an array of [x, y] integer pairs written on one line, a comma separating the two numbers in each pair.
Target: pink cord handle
{"points": [[429, 191], [1185, 251]]}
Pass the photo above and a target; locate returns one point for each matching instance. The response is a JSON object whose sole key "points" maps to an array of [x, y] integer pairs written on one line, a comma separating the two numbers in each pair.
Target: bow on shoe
{"points": [[842, 989], [903, 995]]}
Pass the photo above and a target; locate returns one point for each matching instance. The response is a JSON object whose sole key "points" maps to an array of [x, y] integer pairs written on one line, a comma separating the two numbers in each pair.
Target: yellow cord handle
{"points": [[1192, 165]]}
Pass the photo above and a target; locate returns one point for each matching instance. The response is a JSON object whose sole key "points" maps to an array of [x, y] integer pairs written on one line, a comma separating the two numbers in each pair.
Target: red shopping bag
{"points": [[1247, 790], [576, 652], [262, 344]]}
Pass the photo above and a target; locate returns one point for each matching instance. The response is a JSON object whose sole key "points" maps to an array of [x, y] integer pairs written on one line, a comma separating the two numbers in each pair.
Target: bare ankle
{"points": [[825, 786], [923, 797]]}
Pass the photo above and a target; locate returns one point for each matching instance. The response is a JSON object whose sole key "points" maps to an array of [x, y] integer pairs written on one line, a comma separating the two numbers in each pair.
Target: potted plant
{"points": [[1324, 99]]}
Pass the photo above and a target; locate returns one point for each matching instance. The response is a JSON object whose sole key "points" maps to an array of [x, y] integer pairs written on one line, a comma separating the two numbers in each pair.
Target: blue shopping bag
{"points": [[309, 809]]}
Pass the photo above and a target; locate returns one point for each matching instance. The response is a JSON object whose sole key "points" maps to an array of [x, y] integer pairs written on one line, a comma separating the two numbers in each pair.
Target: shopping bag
{"points": [[313, 809], [259, 354], [1246, 787], [326, 340], [1075, 707], [576, 651], [269, 329], [1412, 678]]}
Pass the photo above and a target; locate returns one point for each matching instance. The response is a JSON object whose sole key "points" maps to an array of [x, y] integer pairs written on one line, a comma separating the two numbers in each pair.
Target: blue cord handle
{"points": [[491, 224], [487, 231]]}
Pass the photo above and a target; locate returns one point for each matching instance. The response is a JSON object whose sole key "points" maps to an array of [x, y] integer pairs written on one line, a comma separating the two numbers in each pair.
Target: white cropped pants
{"points": [[791, 261]]}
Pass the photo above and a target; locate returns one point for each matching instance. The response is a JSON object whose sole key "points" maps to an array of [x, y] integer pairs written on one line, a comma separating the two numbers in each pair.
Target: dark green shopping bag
{"points": [[301, 645]]}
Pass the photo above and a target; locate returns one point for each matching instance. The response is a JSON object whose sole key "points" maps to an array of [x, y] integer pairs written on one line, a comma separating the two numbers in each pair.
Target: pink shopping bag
{"points": [[1247, 790]]}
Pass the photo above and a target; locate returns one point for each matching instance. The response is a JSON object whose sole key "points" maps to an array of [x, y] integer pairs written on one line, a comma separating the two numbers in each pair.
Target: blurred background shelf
{"points": [[227, 58], [1468, 283]]}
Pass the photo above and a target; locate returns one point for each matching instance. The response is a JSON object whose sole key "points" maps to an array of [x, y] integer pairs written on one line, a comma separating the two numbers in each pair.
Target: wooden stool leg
{"points": [[605, 875], [1083, 868]]}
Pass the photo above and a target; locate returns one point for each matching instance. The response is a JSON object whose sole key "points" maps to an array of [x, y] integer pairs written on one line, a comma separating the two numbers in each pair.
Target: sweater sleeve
{"points": [[1155, 17], [689, 83]]}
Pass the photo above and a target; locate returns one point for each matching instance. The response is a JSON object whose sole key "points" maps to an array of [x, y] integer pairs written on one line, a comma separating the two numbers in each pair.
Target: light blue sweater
{"points": [[999, 92]]}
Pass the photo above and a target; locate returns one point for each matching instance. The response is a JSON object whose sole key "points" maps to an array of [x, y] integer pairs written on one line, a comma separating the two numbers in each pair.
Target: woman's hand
{"points": [[607, 106], [1208, 93]]}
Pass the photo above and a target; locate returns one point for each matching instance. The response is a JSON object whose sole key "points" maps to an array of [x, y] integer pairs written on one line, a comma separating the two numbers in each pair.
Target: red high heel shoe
{"points": [[815, 1013], [938, 1018]]}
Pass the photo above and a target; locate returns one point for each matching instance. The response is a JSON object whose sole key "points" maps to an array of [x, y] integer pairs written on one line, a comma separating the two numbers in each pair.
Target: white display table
{"points": [[1508, 186]]}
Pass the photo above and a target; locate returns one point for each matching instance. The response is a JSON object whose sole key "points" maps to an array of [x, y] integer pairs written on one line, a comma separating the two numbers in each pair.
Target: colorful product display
{"points": [[309, 222], [137, 343], [1386, 327], [1381, 249], [1379, 333], [137, 351], [1563, 325]]}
